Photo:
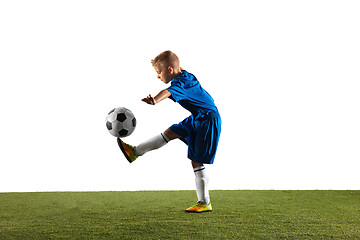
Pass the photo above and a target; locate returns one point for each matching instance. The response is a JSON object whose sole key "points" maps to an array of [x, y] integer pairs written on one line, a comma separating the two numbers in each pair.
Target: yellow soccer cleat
{"points": [[200, 207], [127, 150]]}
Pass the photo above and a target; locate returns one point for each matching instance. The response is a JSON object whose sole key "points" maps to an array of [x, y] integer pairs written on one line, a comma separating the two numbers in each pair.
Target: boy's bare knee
{"points": [[171, 135], [195, 164]]}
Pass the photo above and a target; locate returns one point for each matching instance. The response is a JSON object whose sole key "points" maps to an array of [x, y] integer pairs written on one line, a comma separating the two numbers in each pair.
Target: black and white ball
{"points": [[120, 122]]}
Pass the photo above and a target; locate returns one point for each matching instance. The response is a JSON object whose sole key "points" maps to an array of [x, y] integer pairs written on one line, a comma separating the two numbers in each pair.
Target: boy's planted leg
{"points": [[201, 180]]}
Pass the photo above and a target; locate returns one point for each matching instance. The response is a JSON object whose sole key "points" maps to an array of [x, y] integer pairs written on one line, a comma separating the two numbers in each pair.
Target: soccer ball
{"points": [[120, 122]]}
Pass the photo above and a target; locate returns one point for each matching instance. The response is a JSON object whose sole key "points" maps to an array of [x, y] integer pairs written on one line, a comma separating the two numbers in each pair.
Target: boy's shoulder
{"points": [[185, 78], [185, 74]]}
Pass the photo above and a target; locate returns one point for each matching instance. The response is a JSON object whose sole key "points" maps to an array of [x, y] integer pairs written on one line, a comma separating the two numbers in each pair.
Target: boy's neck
{"points": [[177, 72]]}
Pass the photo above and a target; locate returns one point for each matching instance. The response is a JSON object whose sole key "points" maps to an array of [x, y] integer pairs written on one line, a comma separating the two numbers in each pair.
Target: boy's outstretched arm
{"points": [[158, 98]]}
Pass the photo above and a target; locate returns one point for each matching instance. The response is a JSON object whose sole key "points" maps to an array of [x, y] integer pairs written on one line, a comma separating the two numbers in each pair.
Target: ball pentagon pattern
{"points": [[120, 122]]}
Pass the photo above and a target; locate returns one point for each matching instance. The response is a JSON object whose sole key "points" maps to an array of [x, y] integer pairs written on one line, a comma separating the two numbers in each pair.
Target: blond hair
{"points": [[166, 59]]}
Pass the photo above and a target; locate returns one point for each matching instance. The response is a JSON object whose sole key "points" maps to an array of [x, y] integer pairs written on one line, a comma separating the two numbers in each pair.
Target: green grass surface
{"points": [[160, 215]]}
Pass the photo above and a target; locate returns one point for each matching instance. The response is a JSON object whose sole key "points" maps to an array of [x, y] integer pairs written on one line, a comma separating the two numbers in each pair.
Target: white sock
{"points": [[153, 143], [201, 181]]}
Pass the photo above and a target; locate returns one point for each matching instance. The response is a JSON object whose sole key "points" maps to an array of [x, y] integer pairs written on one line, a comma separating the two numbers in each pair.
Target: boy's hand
{"points": [[149, 100], [158, 98]]}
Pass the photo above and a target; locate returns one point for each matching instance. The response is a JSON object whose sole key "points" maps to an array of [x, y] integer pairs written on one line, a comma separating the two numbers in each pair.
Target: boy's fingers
{"points": [[149, 99]]}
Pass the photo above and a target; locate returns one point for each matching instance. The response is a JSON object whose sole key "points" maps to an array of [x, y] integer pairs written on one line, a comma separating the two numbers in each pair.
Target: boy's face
{"points": [[164, 73]]}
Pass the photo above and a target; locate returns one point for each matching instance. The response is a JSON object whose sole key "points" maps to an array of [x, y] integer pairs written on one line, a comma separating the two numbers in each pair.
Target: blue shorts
{"points": [[201, 136]]}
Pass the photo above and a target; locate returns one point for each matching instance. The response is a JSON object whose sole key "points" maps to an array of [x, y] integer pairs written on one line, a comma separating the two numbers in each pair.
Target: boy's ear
{"points": [[171, 69]]}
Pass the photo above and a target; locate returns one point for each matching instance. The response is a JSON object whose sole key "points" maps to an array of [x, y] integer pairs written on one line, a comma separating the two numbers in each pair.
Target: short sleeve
{"points": [[177, 92]]}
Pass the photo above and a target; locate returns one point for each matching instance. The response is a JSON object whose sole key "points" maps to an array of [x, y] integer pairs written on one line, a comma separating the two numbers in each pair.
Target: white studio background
{"points": [[284, 75]]}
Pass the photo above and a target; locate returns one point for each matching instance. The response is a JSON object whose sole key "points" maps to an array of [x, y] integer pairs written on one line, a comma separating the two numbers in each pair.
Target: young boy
{"points": [[200, 131]]}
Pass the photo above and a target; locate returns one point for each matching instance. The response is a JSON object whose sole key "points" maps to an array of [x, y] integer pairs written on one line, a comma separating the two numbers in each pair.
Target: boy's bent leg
{"points": [[127, 150], [171, 135], [155, 142], [132, 153]]}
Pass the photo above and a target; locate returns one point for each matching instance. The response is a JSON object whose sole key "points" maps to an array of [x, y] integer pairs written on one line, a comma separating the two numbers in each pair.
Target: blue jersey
{"points": [[187, 91]]}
